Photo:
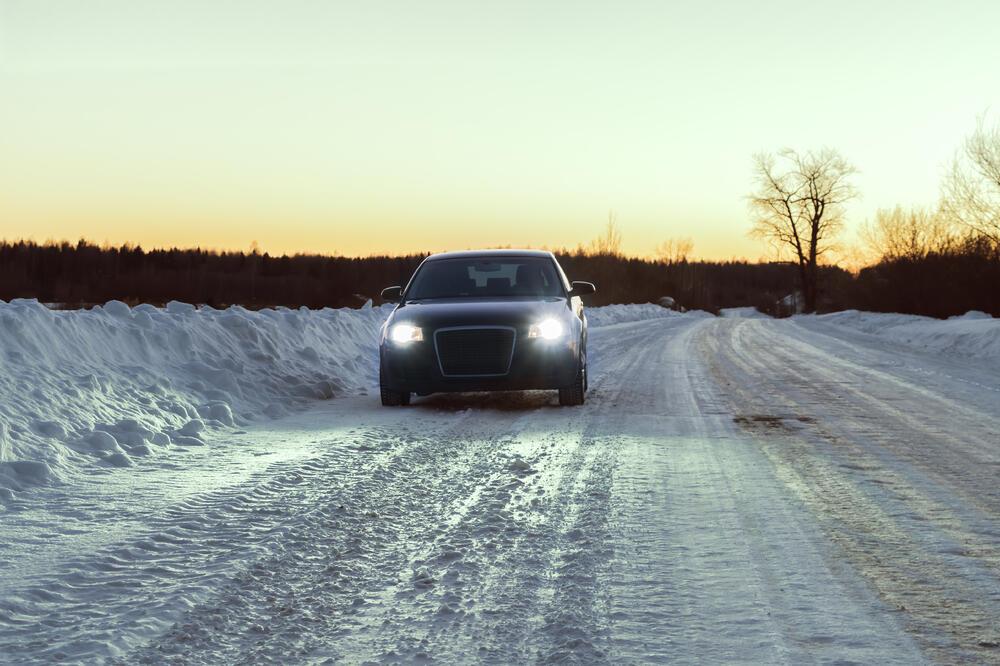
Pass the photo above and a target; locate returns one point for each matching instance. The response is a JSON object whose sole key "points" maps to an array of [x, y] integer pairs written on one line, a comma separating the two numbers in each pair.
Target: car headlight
{"points": [[406, 333], [548, 329]]}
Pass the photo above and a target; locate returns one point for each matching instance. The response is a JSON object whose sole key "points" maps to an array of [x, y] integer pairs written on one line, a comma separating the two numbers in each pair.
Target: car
{"points": [[485, 320]]}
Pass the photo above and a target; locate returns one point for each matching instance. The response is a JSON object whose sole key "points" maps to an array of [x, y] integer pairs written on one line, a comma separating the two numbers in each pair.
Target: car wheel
{"points": [[392, 398], [573, 394]]}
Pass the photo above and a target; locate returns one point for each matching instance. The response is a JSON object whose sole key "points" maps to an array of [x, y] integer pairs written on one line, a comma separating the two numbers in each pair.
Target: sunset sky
{"points": [[360, 127]]}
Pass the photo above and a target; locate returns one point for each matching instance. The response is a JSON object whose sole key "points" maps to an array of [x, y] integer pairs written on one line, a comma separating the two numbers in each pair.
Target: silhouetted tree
{"points": [[798, 205], [971, 189]]}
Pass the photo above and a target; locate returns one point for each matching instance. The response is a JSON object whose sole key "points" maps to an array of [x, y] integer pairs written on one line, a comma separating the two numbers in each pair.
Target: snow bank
{"points": [[109, 386], [973, 335], [609, 315], [113, 384]]}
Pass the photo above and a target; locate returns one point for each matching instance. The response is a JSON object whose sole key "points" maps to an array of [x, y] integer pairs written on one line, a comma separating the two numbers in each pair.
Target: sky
{"points": [[354, 128]]}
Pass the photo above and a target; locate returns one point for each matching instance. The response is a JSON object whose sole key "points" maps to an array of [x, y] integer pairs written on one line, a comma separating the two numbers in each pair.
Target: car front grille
{"points": [[474, 351]]}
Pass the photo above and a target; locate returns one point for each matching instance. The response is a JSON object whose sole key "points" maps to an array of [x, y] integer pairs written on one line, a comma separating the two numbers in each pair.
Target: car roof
{"points": [[489, 253]]}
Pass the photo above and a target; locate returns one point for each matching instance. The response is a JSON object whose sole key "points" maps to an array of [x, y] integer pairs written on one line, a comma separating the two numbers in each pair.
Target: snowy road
{"points": [[734, 490]]}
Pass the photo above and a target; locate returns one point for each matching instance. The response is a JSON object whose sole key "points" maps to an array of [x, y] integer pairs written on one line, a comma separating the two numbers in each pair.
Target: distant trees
{"points": [[942, 283], [82, 274], [694, 285], [971, 189], [797, 205], [926, 265], [913, 234], [673, 250], [960, 277], [610, 242], [943, 260]]}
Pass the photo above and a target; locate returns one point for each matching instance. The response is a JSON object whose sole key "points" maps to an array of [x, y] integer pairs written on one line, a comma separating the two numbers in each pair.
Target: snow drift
{"points": [[972, 335], [113, 384]]}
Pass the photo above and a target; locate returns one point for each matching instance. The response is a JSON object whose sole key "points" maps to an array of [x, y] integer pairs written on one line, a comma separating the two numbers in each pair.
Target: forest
{"points": [[942, 282]]}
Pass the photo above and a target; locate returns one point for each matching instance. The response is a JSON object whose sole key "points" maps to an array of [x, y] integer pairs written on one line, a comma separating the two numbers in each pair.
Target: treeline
{"points": [[937, 280], [944, 259], [697, 285], [75, 275], [82, 274], [945, 276]]}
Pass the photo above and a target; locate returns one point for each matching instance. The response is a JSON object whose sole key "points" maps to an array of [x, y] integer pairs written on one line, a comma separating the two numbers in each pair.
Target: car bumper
{"points": [[535, 364]]}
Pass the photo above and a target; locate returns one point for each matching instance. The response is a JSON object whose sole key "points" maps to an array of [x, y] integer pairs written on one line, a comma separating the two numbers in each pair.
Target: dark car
{"points": [[490, 320]]}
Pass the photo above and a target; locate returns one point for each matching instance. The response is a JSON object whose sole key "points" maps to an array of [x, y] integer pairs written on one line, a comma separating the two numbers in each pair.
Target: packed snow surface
{"points": [[179, 487]]}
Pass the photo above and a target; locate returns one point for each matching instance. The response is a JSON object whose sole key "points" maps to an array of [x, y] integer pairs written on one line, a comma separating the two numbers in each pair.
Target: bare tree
{"points": [[906, 234], [673, 250], [798, 206], [971, 189], [610, 242]]}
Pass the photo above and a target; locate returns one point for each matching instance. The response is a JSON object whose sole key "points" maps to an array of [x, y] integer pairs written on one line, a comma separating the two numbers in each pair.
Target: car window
{"points": [[486, 277]]}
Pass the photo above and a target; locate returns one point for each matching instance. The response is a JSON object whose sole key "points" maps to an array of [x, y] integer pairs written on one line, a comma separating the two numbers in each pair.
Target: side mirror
{"points": [[582, 288], [392, 294]]}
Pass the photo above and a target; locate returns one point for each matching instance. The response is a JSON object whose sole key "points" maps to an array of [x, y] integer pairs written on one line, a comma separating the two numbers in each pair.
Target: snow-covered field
{"points": [[177, 485]]}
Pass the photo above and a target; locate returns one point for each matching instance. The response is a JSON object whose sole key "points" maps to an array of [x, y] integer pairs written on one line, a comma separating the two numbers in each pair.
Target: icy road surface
{"points": [[734, 490]]}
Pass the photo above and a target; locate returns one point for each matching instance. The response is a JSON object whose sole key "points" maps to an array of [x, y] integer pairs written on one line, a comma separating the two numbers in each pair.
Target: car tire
{"points": [[392, 398], [574, 393]]}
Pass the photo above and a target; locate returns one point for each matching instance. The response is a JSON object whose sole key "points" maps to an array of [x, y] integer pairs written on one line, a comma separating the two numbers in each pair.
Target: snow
{"points": [[748, 312], [973, 335], [741, 489], [113, 385], [610, 315]]}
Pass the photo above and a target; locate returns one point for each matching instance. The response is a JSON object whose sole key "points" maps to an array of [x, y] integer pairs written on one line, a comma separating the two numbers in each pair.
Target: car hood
{"points": [[434, 314]]}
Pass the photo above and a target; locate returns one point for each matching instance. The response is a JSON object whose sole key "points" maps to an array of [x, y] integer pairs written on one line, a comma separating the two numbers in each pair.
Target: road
{"points": [[734, 490]]}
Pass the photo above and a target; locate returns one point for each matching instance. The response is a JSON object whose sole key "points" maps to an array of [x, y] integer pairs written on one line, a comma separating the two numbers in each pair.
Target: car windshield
{"points": [[491, 277]]}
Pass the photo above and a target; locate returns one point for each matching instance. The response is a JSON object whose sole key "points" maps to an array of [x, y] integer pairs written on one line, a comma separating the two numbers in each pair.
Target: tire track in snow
{"points": [[477, 570], [638, 527], [352, 556], [516, 591], [714, 561], [880, 464], [138, 586]]}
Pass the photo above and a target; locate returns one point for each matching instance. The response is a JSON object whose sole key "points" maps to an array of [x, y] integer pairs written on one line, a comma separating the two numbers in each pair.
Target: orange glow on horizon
{"points": [[340, 128], [293, 238], [361, 233]]}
